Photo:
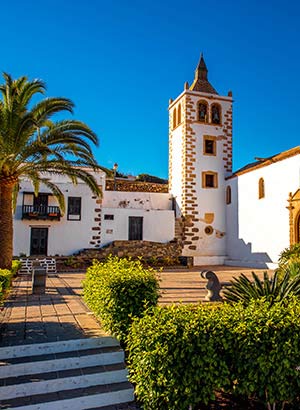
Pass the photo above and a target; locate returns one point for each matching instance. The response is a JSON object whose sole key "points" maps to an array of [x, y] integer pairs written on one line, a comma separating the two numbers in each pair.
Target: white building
{"points": [[89, 221], [244, 218]]}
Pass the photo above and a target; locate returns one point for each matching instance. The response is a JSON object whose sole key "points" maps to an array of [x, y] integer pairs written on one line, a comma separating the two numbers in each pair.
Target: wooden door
{"points": [[39, 241], [135, 228]]}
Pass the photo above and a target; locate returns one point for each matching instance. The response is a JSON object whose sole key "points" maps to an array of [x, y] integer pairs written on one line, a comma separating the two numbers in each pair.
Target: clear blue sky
{"points": [[121, 61]]}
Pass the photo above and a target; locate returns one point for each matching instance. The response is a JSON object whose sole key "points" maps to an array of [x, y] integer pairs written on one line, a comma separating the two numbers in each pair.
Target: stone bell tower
{"points": [[200, 158]]}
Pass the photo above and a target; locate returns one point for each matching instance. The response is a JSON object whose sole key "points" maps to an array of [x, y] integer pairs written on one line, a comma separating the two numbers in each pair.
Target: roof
{"points": [[263, 162], [201, 82]]}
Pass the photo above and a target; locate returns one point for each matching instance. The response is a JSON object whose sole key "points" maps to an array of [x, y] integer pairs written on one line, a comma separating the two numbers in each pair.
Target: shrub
{"points": [[289, 255], [118, 290], [172, 358], [274, 289], [181, 356], [15, 266], [6, 276]]}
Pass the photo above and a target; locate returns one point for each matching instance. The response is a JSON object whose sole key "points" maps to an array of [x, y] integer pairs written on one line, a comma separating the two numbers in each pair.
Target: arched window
{"points": [[261, 188], [202, 111], [179, 114], [216, 114], [174, 118], [228, 195], [297, 228]]}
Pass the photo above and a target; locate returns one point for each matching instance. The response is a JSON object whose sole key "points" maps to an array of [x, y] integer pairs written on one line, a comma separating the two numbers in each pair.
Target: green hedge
{"points": [[119, 290], [6, 276], [181, 356], [15, 266]]}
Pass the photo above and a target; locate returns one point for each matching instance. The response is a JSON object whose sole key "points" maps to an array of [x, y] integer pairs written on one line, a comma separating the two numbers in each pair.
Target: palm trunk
{"points": [[6, 226]]}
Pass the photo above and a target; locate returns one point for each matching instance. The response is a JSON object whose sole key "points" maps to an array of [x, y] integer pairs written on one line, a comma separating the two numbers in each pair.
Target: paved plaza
{"points": [[60, 314]]}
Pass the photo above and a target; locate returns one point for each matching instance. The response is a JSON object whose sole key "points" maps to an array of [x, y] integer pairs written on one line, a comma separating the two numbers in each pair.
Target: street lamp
{"points": [[115, 167]]}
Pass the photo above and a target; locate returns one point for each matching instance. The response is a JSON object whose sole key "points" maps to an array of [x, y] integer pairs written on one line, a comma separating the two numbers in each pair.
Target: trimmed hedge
{"points": [[181, 356], [119, 290]]}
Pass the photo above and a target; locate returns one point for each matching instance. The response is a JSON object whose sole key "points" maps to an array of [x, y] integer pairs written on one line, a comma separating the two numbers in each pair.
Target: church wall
{"points": [[258, 229]]}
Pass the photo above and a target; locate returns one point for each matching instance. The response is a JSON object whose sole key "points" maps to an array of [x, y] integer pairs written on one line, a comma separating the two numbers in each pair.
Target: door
{"points": [[135, 228], [39, 241], [40, 204]]}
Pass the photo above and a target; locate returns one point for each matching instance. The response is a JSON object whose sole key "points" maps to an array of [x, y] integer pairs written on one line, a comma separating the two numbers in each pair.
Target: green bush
{"points": [[5, 281], [289, 255], [182, 356], [119, 290], [15, 266], [274, 289], [172, 358], [6, 276]]}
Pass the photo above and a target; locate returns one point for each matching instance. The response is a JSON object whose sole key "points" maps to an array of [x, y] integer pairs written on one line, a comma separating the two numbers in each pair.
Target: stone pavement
{"points": [[57, 315], [187, 286], [60, 314]]}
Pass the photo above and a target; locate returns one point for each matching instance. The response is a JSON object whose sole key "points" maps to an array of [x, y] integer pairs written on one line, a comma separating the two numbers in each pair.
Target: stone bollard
{"points": [[39, 275], [213, 286]]}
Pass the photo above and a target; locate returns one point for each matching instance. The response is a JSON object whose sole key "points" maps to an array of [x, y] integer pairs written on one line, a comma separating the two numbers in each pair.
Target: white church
{"points": [[242, 218]]}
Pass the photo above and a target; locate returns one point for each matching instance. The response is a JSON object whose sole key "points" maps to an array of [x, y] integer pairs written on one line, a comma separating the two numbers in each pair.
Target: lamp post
{"points": [[115, 167]]}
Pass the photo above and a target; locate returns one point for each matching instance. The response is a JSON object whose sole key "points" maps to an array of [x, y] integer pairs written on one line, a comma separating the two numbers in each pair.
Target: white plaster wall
{"points": [[258, 229], [176, 169], [64, 237], [137, 200], [210, 200], [158, 225]]}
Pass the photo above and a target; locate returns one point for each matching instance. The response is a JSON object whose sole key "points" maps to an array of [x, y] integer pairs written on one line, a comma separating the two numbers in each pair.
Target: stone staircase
{"points": [[74, 374]]}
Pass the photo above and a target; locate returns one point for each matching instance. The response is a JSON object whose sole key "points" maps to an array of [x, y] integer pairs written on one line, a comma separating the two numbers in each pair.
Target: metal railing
{"points": [[40, 212]]}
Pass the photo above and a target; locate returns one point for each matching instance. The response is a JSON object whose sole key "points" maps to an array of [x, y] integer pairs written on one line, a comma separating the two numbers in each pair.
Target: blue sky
{"points": [[121, 61]]}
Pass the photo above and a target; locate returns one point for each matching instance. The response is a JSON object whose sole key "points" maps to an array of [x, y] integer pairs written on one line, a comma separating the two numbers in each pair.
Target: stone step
{"points": [[32, 388], [47, 366], [82, 402], [54, 347], [75, 374]]}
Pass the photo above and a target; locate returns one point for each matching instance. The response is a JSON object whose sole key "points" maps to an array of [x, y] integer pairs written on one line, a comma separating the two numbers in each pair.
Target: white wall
{"points": [[64, 237], [137, 200], [258, 229], [155, 208], [208, 200], [176, 167], [158, 225]]}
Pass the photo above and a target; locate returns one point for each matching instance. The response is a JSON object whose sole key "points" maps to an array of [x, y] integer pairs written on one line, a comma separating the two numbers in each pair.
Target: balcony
{"points": [[39, 212]]}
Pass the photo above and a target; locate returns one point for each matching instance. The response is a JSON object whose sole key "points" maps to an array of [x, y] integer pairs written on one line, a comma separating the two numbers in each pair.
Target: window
{"points": [[179, 115], [109, 217], [209, 145], [261, 188], [174, 118], [202, 111], [216, 114], [209, 179], [74, 208], [228, 195]]}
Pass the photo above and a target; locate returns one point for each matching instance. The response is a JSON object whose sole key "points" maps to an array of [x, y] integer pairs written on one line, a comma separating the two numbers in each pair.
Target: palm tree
{"points": [[33, 145]]}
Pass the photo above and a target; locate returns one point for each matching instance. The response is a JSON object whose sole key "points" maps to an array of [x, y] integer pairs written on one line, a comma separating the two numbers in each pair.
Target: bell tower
{"points": [[200, 158]]}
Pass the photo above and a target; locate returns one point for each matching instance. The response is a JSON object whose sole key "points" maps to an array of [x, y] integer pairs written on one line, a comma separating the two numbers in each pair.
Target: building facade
{"points": [[40, 227], [245, 218]]}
